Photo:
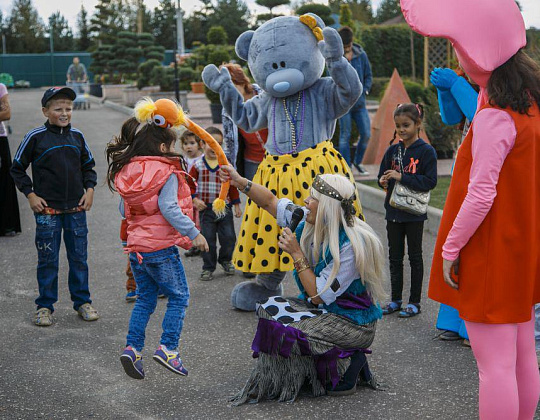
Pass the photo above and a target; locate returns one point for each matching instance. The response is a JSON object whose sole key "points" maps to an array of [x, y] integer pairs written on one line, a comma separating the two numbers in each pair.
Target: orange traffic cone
{"points": [[382, 127]]}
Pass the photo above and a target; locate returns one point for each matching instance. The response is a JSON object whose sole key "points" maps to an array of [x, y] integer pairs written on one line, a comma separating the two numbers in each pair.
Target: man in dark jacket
{"points": [[359, 60]]}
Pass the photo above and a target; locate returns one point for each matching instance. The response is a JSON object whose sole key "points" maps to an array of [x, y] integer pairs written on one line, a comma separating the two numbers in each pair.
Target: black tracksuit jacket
{"points": [[62, 165]]}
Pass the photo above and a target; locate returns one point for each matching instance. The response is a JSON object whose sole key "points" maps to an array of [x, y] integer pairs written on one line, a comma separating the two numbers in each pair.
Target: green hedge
{"points": [[389, 47]]}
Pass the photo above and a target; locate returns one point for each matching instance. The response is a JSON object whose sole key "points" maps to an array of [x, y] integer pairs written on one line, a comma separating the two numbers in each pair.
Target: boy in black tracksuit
{"points": [[60, 192], [420, 174]]}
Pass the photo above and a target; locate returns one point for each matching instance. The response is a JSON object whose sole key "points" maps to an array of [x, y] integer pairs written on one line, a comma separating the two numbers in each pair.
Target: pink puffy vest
{"points": [[139, 183]]}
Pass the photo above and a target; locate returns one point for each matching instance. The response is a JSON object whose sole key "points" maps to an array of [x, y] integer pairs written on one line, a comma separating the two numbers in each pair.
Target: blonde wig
{"points": [[324, 234]]}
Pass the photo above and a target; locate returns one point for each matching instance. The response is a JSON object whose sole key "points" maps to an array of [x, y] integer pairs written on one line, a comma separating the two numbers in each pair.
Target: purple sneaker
{"points": [[131, 360], [170, 360]]}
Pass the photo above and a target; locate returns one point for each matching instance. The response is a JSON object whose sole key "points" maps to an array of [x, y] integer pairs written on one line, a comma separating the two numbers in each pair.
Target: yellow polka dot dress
{"points": [[287, 176]]}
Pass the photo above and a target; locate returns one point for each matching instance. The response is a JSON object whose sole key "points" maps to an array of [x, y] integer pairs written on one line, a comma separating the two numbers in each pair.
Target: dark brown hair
{"points": [[414, 111], [214, 130], [346, 35], [238, 77], [187, 135], [131, 143], [515, 84]]}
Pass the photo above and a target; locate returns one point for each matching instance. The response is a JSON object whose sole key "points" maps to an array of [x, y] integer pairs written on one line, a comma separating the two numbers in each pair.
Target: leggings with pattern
{"points": [[508, 369]]}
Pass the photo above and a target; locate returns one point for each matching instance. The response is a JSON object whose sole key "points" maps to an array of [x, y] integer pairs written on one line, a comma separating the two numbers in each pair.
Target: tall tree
{"points": [[233, 15], [270, 4], [387, 10], [61, 32], [83, 41], [163, 23], [25, 29], [104, 22], [345, 16]]}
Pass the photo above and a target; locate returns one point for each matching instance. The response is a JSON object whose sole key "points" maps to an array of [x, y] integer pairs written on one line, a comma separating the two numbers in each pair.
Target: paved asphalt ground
{"points": [[72, 370]]}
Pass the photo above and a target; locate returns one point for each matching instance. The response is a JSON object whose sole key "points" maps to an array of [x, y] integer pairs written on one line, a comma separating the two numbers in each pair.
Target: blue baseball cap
{"points": [[52, 92]]}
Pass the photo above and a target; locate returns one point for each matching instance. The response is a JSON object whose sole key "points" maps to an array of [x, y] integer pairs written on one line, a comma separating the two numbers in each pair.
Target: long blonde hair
{"points": [[324, 234]]}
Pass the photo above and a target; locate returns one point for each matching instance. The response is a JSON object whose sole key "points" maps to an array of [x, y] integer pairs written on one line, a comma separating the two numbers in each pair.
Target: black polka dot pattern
{"points": [[257, 246]]}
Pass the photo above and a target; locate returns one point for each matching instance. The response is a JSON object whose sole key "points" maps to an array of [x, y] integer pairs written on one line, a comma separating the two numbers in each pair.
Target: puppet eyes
{"points": [[159, 120]]}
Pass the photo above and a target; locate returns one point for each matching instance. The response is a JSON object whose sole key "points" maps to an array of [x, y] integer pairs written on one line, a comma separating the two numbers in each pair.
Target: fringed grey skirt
{"points": [[298, 345]]}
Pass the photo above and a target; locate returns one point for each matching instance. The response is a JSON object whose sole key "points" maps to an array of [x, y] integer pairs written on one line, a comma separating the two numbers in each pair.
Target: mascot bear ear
{"points": [[242, 44], [320, 22]]}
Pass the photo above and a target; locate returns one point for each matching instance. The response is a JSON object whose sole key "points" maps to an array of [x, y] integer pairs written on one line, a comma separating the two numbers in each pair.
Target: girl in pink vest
{"points": [[156, 202]]}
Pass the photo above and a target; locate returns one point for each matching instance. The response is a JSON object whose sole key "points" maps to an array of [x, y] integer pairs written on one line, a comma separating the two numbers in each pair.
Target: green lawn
{"points": [[438, 195]]}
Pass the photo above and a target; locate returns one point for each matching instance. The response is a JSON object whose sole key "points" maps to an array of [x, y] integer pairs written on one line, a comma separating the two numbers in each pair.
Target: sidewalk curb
{"points": [[113, 105], [373, 199]]}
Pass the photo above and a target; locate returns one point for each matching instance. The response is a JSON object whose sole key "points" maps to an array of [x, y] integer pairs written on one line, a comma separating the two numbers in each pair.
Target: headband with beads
{"points": [[347, 204]]}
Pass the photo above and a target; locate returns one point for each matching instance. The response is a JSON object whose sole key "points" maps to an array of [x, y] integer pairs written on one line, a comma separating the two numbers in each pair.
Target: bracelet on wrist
{"points": [[246, 189], [301, 264]]}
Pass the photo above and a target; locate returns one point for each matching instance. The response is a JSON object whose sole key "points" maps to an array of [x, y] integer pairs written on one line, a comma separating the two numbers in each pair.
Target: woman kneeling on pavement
{"points": [[319, 340]]}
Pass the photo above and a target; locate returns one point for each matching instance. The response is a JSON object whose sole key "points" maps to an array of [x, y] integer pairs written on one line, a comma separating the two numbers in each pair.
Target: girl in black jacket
{"points": [[418, 171]]}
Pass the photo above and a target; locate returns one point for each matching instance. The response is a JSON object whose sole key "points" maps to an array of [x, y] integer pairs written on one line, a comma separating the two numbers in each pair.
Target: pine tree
{"points": [[270, 4], [83, 41], [233, 15], [25, 30], [104, 24], [345, 16], [62, 33], [387, 10], [163, 24]]}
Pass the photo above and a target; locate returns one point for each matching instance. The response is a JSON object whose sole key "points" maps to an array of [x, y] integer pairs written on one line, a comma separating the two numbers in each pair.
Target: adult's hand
{"points": [[447, 272], [228, 173], [288, 243]]}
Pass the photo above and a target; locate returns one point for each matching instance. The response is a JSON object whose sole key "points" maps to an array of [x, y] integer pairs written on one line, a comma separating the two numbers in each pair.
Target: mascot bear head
{"points": [[283, 55]]}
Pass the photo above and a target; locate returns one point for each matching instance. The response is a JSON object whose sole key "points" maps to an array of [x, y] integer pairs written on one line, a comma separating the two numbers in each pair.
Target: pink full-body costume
{"points": [[486, 34]]}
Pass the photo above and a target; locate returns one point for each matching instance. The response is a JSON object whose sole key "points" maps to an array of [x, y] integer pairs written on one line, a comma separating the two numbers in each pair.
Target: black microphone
{"points": [[296, 218]]}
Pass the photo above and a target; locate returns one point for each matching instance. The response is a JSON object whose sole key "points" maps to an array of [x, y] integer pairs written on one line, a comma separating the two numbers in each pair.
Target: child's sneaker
{"points": [[87, 312], [170, 360], [228, 267], [206, 275], [43, 317], [131, 360], [131, 296]]}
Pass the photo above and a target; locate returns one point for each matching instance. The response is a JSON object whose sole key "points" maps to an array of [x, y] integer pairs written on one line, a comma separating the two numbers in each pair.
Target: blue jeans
{"points": [[163, 270], [222, 228], [48, 238], [361, 118]]}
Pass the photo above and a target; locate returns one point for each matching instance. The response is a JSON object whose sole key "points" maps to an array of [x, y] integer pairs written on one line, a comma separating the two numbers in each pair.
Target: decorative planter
{"points": [[113, 92], [95, 90], [216, 113], [171, 95], [131, 95], [197, 87]]}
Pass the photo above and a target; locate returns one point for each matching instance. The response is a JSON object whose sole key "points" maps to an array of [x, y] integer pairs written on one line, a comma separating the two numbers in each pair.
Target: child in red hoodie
{"points": [[156, 203]]}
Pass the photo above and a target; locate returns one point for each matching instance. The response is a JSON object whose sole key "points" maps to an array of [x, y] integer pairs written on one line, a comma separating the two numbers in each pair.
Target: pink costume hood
{"points": [[484, 33]]}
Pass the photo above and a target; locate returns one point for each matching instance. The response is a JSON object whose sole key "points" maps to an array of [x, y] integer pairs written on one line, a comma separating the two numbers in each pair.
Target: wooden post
{"points": [[426, 61], [413, 61]]}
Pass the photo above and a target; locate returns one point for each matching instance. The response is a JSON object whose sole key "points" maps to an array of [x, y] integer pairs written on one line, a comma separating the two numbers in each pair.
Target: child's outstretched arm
{"points": [[168, 205], [262, 196]]}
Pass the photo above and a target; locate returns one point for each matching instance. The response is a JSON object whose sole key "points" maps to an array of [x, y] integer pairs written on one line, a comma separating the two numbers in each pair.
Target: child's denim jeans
{"points": [[48, 239], [213, 228], [158, 270]]}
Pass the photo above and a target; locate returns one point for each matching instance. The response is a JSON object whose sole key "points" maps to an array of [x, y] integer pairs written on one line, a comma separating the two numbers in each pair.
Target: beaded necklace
{"points": [[292, 123]]}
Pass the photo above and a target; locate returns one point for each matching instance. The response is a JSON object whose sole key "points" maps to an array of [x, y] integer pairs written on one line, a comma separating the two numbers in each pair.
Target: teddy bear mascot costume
{"points": [[286, 56], [486, 262]]}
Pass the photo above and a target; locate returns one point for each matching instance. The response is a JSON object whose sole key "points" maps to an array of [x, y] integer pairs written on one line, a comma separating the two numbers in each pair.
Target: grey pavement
{"points": [[72, 370]]}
